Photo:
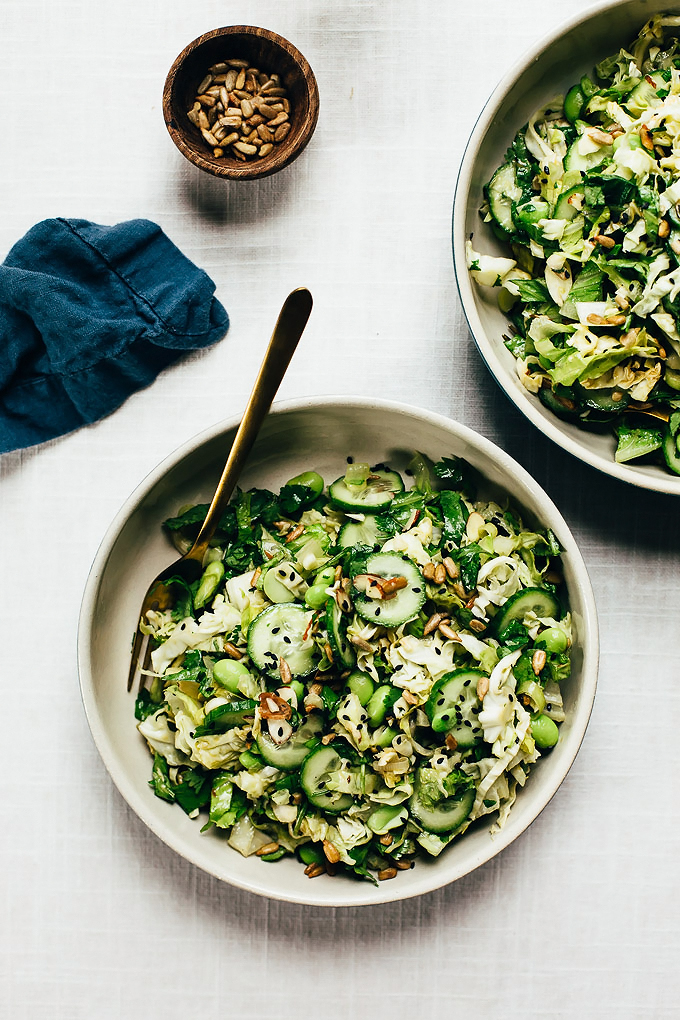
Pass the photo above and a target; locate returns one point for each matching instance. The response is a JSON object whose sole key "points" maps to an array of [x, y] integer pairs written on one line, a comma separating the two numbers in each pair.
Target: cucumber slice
{"points": [[537, 600], [445, 816], [566, 210], [671, 452], [574, 101], [453, 706], [611, 401], [560, 406], [574, 160], [502, 191], [316, 769], [278, 632], [527, 215], [375, 495], [646, 94], [405, 604], [343, 650], [291, 754], [366, 532]]}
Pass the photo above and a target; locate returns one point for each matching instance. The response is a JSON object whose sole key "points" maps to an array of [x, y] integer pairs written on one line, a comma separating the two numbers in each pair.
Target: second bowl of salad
{"points": [[567, 239], [383, 675]]}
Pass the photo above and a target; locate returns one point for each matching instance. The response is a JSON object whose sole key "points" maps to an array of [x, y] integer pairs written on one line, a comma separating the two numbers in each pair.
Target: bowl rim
{"points": [[430, 879], [487, 348], [254, 170]]}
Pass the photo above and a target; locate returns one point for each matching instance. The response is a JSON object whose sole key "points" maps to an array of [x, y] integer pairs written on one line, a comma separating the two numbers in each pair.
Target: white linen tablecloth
{"points": [[99, 920]]}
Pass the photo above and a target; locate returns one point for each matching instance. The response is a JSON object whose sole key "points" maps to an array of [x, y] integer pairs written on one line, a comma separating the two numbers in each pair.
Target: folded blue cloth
{"points": [[90, 314]]}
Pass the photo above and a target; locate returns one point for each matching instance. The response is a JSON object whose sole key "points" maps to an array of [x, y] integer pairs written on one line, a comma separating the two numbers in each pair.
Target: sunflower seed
{"points": [[234, 100], [268, 848], [314, 870], [331, 852]]}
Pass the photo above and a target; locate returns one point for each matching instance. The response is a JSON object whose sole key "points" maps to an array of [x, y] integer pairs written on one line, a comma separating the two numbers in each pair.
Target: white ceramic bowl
{"points": [[297, 436], [546, 71]]}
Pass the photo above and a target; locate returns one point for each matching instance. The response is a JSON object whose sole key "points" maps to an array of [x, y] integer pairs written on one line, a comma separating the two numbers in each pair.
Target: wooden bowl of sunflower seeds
{"points": [[240, 102]]}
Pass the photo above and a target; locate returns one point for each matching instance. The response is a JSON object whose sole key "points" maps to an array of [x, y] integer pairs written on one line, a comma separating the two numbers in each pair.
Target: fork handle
{"points": [[287, 332]]}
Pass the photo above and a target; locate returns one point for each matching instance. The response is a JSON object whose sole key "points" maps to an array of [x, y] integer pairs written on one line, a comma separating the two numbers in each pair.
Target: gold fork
{"points": [[287, 332]]}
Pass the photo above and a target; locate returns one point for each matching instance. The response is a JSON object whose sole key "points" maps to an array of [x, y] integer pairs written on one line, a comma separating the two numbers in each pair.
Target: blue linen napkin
{"points": [[88, 315]]}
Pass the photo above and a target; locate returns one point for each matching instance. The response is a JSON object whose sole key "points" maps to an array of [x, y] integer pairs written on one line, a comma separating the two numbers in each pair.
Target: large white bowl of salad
{"points": [[381, 678], [567, 239]]}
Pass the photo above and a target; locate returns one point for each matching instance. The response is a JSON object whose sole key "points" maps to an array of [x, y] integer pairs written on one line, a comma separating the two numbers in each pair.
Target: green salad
{"points": [[361, 672], [588, 201]]}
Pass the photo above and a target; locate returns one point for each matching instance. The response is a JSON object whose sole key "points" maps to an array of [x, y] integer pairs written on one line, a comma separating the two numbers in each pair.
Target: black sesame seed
{"points": [[441, 702], [286, 639], [350, 460], [468, 723], [466, 683], [446, 717], [377, 612], [416, 591], [345, 718], [275, 630], [461, 697], [438, 651], [291, 576]]}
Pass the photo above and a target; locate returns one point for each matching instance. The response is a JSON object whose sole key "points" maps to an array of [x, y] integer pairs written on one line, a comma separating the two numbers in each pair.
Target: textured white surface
{"points": [[579, 918]]}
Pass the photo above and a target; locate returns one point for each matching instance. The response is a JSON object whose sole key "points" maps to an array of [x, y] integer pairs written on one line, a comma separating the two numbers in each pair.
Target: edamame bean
{"points": [[544, 731], [325, 576], [229, 673], [210, 579], [362, 685], [380, 703], [316, 596], [553, 640], [310, 854], [310, 479]]}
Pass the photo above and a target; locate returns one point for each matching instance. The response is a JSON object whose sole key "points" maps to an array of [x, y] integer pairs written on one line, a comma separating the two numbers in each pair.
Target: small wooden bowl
{"points": [[268, 52]]}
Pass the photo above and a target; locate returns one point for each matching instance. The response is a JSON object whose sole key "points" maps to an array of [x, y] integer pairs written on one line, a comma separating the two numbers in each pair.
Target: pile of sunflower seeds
{"points": [[240, 110]]}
